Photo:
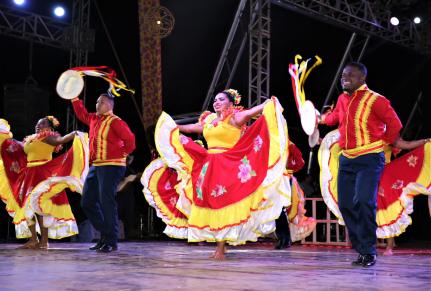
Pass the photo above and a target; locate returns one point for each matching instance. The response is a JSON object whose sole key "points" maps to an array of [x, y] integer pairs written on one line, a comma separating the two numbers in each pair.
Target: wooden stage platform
{"points": [[164, 265]]}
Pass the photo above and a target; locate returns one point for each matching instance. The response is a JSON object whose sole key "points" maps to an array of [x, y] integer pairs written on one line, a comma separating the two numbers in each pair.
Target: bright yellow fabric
{"points": [[38, 152], [371, 148], [222, 135], [275, 152], [231, 215], [425, 175]]}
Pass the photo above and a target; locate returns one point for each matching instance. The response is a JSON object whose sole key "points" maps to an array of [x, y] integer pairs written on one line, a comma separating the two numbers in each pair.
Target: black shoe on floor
{"points": [[359, 261], [283, 243], [106, 248], [369, 260], [97, 246]]}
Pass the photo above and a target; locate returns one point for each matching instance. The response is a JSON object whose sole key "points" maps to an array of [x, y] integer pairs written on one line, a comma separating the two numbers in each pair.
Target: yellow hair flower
{"points": [[53, 121]]}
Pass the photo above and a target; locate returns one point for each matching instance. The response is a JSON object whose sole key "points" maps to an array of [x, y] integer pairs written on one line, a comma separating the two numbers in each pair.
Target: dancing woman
{"points": [[230, 193], [33, 183]]}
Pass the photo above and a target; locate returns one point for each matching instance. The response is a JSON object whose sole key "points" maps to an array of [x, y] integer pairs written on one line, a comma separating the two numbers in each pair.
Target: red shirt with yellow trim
{"points": [[366, 121], [110, 138]]}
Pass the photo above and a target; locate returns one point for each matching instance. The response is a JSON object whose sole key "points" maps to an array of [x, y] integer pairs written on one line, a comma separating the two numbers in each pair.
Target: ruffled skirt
{"points": [[27, 191], [402, 179], [233, 196]]}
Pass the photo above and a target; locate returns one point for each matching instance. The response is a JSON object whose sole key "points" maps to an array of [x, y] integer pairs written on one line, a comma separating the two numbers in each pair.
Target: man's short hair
{"points": [[107, 96], [360, 66]]}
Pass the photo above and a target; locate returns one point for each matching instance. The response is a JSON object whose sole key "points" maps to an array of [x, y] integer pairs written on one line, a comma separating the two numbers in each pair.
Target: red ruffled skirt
{"points": [[402, 179], [232, 196], [40, 189]]}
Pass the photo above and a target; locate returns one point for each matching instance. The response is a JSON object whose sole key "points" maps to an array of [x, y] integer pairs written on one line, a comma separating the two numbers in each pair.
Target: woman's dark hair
{"points": [[229, 96]]}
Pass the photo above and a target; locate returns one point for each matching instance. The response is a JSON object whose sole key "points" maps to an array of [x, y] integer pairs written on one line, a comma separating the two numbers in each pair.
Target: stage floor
{"points": [[161, 265]]}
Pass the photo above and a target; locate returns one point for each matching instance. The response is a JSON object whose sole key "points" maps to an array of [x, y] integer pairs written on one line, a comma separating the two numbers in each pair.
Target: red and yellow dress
{"points": [[31, 181], [231, 192], [402, 179]]}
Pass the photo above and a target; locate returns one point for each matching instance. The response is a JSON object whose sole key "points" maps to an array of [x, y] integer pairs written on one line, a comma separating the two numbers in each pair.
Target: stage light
{"points": [[394, 21], [59, 11], [19, 2], [417, 20]]}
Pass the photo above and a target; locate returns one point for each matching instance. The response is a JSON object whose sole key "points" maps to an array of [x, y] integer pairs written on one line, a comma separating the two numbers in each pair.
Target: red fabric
{"points": [[398, 174], [295, 161], [382, 124], [120, 140], [166, 189], [22, 179], [110, 73], [222, 174]]}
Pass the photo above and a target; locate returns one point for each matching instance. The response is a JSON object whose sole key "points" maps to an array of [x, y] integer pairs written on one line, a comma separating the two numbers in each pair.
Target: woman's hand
{"points": [[410, 145]]}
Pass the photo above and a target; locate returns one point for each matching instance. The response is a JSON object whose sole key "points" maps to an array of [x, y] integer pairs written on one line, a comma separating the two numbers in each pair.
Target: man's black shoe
{"points": [[369, 260], [97, 246], [283, 243], [359, 261], [107, 248]]}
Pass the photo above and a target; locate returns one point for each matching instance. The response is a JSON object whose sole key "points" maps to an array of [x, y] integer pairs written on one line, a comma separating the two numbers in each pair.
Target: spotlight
{"points": [[417, 20], [394, 21], [59, 11], [19, 2]]}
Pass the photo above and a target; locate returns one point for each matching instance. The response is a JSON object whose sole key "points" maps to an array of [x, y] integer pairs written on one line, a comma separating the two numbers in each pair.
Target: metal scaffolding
{"points": [[369, 18], [259, 52], [83, 39], [363, 18], [77, 37], [50, 31], [232, 50], [257, 35], [33, 27]]}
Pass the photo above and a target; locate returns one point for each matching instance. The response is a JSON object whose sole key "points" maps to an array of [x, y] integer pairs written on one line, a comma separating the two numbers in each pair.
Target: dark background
{"points": [[190, 55]]}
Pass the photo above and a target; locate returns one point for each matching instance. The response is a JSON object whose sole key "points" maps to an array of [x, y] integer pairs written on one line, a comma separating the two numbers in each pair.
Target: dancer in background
{"points": [[230, 193], [32, 183], [300, 225]]}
